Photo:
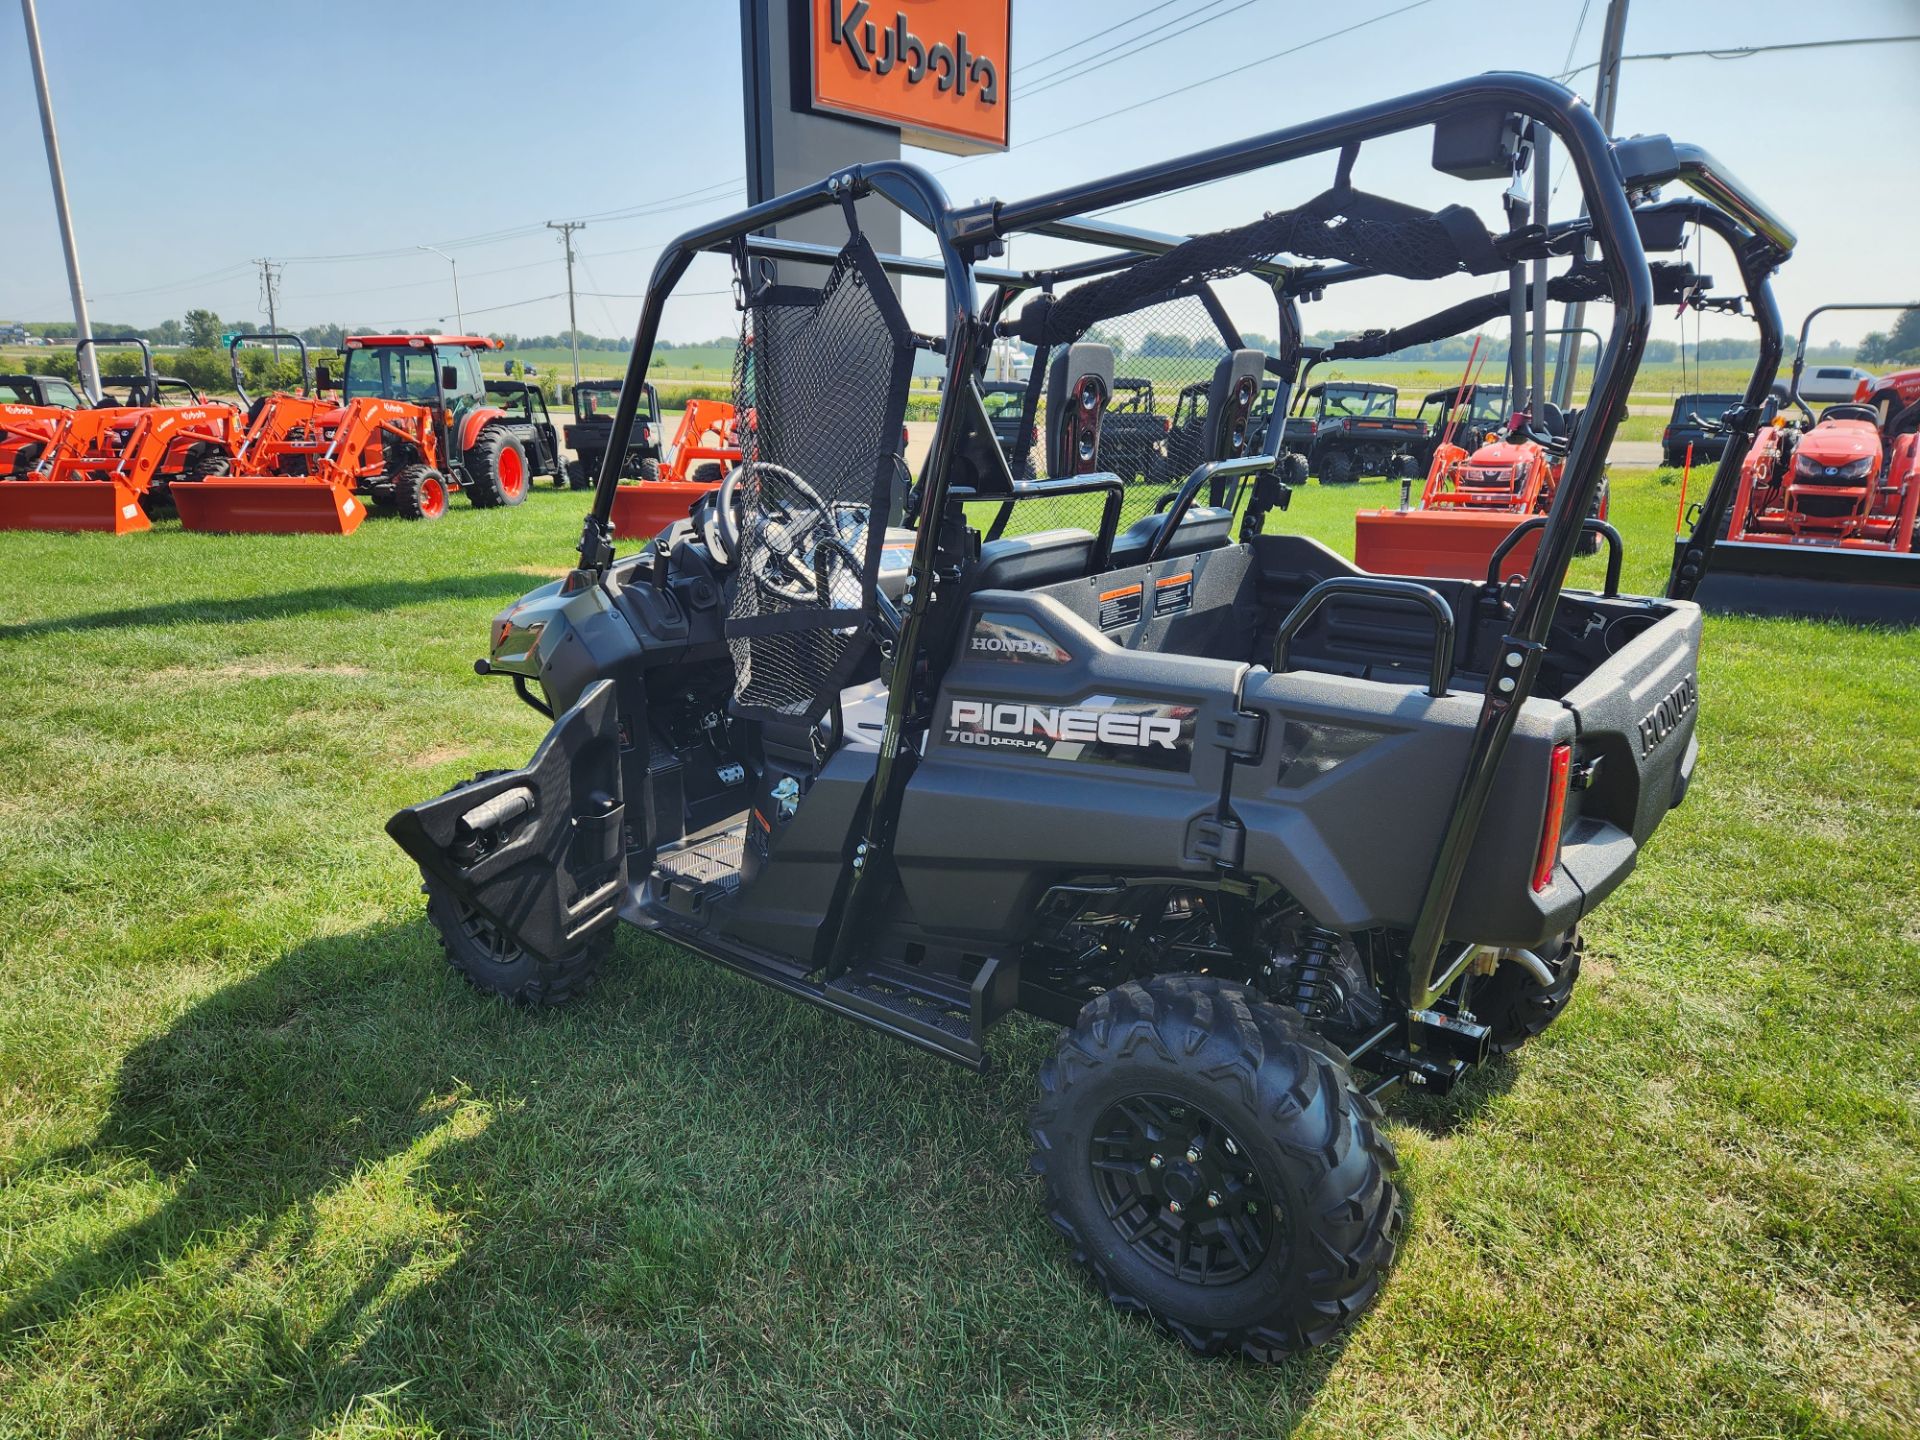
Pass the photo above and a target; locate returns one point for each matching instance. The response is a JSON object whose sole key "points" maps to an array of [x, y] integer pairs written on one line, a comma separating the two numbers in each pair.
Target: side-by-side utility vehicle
{"points": [[1265, 835]]}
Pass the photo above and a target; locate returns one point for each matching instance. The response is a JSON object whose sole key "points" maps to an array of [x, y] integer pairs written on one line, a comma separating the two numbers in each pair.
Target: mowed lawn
{"points": [[267, 1168]]}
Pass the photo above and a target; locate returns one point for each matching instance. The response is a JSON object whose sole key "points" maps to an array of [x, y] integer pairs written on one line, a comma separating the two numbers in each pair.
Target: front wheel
{"points": [[497, 465], [1213, 1167], [419, 492]]}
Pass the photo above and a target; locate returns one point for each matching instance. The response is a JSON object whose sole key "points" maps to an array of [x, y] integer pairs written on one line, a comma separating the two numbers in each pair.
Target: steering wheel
{"points": [[801, 535]]}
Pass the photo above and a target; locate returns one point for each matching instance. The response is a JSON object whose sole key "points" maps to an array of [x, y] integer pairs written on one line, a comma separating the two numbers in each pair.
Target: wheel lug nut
{"points": [[1154, 1162], [1193, 1154], [1213, 1199], [1174, 1206]]}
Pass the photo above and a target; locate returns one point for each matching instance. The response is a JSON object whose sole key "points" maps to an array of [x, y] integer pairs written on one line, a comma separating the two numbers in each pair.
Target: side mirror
{"points": [[322, 378], [449, 378]]}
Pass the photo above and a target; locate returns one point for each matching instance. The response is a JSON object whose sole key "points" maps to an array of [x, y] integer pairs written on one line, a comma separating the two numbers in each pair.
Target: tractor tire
{"points": [[649, 469], [26, 457], [493, 966], [1515, 1006], [497, 468], [216, 462], [1213, 1167], [1336, 468], [419, 492], [708, 472]]}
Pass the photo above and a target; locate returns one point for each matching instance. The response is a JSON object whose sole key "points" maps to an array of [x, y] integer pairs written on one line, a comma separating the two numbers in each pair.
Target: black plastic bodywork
{"points": [[529, 420]]}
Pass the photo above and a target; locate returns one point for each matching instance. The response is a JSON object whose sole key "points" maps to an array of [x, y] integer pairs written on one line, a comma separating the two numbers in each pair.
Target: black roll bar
{"points": [[1616, 549], [1800, 350], [98, 343], [233, 360]]}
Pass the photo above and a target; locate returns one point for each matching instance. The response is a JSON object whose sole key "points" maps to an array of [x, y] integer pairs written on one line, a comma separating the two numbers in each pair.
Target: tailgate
{"points": [[1636, 715]]}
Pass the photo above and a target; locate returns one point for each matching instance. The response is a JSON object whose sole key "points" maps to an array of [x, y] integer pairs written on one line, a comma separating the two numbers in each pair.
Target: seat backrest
{"points": [[1024, 562], [1204, 527], [1230, 397], [1078, 392]]}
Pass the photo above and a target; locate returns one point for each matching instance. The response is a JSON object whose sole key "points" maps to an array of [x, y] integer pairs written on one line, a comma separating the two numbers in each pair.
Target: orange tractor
{"points": [[1472, 503], [31, 409], [706, 444], [1826, 517], [105, 467], [412, 424]]}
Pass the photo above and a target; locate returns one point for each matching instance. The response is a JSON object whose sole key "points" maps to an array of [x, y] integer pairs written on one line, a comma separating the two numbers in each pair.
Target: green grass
{"points": [[267, 1169]]}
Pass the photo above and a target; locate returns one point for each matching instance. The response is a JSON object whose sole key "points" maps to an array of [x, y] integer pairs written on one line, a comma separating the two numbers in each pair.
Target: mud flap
{"points": [[269, 507], [1448, 544], [541, 852], [105, 505]]}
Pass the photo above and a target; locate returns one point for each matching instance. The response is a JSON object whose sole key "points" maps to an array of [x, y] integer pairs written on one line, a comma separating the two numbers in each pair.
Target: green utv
{"points": [[1265, 835]]}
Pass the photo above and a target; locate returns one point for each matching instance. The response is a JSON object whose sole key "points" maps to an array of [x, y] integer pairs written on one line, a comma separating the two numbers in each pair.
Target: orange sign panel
{"points": [[935, 68]]}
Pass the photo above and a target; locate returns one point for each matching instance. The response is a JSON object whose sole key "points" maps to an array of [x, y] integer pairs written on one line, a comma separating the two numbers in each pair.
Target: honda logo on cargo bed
{"points": [[1661, 721]]}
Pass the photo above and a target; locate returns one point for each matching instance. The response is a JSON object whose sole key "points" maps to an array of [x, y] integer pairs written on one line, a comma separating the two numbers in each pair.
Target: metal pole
{"points": [[566, 229], [1542, 194], [459, 315], [273, 313], [89, 365], [1606, 98]]}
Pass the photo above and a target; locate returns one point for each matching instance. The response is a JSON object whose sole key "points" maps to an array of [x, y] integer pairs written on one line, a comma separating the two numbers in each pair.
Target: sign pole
{"points": [[89, 366]]}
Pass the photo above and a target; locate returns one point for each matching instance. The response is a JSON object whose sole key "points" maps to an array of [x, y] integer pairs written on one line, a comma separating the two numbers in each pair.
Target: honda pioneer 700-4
{"points": [[1266, 836]]}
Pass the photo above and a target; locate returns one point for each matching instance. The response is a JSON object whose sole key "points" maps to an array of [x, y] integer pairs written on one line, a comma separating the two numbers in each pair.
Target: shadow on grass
{"points": [[239, 610], [377, 1183]]}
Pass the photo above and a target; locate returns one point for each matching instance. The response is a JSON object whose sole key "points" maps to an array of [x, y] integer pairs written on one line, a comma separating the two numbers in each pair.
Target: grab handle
{"points": [[1368, 587], [1616, 549]]}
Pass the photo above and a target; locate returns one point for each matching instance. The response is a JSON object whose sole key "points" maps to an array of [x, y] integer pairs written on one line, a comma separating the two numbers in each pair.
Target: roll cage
{"points": [[978, 299]]}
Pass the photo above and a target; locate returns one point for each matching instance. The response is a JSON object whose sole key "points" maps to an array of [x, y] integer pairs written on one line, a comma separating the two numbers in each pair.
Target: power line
{"points": [[1214, 78], [1102, 35], [1743, 52], [1093, 62]]}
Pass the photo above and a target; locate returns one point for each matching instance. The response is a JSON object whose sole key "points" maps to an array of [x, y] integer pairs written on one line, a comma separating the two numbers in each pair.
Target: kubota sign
{"points": [[935, 68]]}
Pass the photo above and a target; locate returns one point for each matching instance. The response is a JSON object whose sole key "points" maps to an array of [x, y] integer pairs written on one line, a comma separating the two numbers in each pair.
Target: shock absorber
{"points": [[1314, 986]]}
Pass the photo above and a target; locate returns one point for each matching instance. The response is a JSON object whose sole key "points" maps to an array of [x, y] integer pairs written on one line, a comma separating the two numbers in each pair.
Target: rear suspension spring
{"points": [[1314, 987]]}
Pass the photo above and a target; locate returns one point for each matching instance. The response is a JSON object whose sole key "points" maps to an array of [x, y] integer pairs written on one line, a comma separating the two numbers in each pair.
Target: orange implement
{"points": [[271, 505], [100, 465], [642, 510], [1454, 544], [702, 422]]}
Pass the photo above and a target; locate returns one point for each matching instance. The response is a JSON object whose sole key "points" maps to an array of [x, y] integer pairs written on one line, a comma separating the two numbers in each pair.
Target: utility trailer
{"points": [[1266, 836]]}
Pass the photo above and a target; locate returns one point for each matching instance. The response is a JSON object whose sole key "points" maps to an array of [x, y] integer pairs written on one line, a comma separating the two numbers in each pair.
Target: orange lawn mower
{"points": [[412, 425], [106, 467], [1825, 520], [706, 445]]}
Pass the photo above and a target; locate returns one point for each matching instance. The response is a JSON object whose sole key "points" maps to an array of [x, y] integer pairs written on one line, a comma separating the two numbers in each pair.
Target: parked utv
{"points": [[1696, 425], [594, 404], [523, 406], [1348, 429], [1265, 835]]}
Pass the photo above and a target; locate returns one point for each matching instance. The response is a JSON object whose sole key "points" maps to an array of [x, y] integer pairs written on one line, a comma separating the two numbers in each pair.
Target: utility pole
{"points": [[1606, 99], [459, 315], [269, 282], [566, 229], [89, 366]]}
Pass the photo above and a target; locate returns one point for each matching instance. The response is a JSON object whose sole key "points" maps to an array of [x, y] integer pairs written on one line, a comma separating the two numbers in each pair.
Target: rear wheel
{"points": [[1515, 1006], [420, 493], [497, 468], [208, 462], [1336, 468], [649, 469], [708, 472], [1214, 1167]]}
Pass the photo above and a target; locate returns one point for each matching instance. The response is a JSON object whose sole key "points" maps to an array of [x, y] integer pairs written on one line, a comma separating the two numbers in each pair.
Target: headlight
{"points": [[1805, 467]]}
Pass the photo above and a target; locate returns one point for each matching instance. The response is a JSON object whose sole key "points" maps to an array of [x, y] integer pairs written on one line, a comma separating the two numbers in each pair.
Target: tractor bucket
{"points": [[642, 511], [253, 505], [1455, 544], [105, 505], [1824, 582]]}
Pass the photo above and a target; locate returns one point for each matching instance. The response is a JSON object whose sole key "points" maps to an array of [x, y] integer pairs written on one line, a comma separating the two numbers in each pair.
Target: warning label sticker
{"points": [[1172, 594], [1120, 607]]}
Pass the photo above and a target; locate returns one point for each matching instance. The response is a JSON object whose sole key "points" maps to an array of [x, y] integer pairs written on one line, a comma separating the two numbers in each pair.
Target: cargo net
{"points": [[1155, 430], [820, 385]]}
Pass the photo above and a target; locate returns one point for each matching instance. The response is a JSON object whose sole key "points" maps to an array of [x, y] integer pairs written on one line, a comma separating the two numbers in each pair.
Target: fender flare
{"points": [[474, 421]]}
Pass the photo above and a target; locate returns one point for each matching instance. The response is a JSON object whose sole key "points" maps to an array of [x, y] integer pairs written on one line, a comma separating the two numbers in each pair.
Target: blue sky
{"points": [[199, 136]]}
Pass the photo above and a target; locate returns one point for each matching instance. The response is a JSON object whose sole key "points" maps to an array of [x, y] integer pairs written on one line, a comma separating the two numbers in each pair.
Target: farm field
{"points": [[268, 1168]]}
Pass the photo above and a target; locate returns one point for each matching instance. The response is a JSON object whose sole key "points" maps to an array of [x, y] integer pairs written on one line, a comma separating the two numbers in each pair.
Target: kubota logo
{"points": [[952, 66]]}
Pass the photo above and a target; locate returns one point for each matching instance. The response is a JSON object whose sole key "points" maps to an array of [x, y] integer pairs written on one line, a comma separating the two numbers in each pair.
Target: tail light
{"points": [[1666, 435], [1559, 769]]}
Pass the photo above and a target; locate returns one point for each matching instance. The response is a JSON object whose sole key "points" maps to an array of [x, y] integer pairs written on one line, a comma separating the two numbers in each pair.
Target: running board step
{"points": [[915, 1008]]}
